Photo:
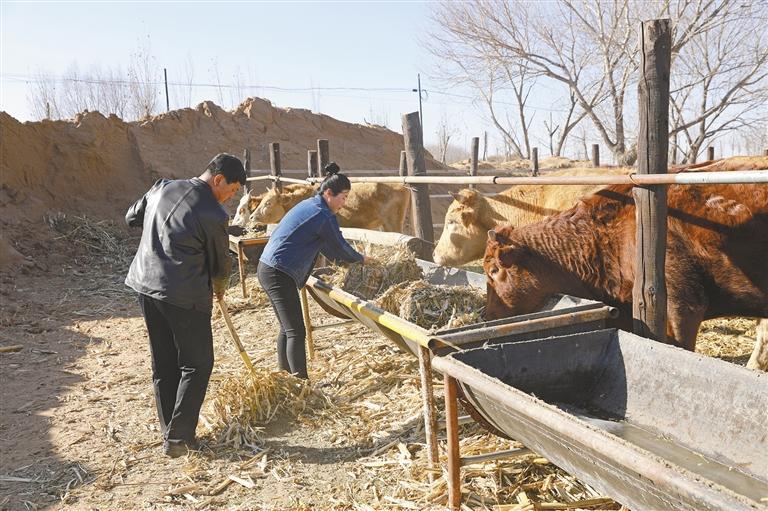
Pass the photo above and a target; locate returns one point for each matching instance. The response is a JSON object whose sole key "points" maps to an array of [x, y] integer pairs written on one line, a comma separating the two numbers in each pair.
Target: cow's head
{"points": [[243, 210], [514, 285], [463, 237], [270, 210]]}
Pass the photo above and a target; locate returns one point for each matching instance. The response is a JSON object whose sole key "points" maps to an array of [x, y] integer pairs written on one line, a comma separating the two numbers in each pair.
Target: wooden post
{"points": [[247, 166], [409, 223], [595, 155], [649, 294], [452, 432], [428, 410], [274, 164], [535, 161], [241, 268], [312, 163], [765, 153], [323, 155], [421, 208], [473, 161], [710, 153], [307, 323]]}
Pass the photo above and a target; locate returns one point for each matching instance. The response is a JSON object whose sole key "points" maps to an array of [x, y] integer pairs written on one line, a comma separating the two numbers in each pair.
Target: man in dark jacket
{"points": [[182, 260]]}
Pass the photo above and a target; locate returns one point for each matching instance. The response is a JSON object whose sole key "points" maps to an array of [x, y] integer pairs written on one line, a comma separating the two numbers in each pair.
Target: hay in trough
{"points": [[392, 265], [432, 306], [242, 405]]}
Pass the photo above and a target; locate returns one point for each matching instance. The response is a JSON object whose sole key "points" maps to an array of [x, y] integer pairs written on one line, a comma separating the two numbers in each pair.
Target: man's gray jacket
{"points": [[184, 244]]}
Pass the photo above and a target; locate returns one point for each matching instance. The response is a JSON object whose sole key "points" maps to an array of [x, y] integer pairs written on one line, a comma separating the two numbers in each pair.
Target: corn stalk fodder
{"points": [[434, 306], [242, 405], [391, 265]]}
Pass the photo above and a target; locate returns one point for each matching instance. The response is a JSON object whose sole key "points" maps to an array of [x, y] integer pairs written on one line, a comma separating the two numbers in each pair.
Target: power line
{"points": [[469, 99]]}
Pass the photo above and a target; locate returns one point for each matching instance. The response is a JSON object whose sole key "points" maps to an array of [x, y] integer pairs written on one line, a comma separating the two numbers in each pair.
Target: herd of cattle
{"points": [[541, 240]]}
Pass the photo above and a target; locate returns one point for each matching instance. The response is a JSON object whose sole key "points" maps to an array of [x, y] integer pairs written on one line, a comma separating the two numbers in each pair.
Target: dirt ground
{"points": [[78, 428]]}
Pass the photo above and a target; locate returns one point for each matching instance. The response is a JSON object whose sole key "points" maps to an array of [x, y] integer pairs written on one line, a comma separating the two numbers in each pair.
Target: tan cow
{"points": [[369, 205], [472, 215], [250, 201]]}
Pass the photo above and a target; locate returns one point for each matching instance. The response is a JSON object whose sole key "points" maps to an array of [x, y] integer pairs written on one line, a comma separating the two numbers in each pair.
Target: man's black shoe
{"points": [[175, 449]]}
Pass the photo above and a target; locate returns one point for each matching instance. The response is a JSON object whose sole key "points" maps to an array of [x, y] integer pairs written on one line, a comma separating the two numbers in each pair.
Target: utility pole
{"points": [[421, 116], [167, 101]]}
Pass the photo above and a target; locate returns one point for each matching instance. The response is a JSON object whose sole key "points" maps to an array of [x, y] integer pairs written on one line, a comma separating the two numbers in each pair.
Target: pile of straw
{"points": [[242, 405], [392, 265], [100, 237], [432, 306]]}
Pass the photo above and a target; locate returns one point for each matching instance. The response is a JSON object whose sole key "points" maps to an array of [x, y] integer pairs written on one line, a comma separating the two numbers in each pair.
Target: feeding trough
{"points": [[654, 426], [565, 314]]}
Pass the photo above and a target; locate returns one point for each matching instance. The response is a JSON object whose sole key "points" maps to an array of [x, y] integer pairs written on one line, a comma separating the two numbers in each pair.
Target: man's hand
{"points": [[368, 259], [220, 287]]}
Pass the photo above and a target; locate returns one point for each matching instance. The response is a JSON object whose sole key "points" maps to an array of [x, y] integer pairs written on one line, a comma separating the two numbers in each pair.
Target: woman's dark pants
{"points": [[282, 292], [182, 360]]}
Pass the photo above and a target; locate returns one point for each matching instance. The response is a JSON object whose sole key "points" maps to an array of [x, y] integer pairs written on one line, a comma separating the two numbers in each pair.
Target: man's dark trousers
{"points": [[182, 360]]}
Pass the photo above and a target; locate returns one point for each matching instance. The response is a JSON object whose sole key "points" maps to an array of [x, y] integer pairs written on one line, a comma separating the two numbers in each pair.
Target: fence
{"points": [[649, 292]]}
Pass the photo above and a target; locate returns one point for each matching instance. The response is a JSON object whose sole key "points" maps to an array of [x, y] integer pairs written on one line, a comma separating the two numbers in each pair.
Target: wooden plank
{"points": [[649, 294]]}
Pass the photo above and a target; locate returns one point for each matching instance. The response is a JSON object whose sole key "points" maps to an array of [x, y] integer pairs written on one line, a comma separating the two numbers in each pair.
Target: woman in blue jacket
{"points": [[305, 231]]}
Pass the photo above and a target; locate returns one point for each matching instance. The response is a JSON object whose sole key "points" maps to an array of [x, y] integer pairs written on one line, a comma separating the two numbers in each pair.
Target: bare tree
{"points": [[720, 83], [42, 96], [444, 133], [504, 85], [183, 91], [143, 77], [591, 48]]}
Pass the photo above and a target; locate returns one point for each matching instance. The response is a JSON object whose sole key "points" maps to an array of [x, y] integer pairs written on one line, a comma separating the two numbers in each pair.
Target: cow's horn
{"points": [[492, 235]]}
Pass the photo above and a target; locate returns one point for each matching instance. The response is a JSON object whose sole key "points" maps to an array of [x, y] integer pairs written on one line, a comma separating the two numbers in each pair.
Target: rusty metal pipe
{"points": [[458, 339]]}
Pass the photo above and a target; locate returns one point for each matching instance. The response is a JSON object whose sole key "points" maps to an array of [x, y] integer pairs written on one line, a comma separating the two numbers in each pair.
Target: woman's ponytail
{"points": [[334, 180]]}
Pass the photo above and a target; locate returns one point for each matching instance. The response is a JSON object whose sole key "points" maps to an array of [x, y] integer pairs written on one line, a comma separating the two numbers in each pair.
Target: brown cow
{"points": [[472, 214], [369, 206], [715, 263]]}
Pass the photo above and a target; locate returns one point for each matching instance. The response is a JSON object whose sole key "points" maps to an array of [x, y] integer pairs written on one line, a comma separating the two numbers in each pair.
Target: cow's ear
{"points": [[465, 197], [512, 255], [499, 235]]}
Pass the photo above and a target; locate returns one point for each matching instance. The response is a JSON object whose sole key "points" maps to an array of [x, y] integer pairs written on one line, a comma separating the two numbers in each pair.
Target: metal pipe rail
{"points": [[683, 178]]}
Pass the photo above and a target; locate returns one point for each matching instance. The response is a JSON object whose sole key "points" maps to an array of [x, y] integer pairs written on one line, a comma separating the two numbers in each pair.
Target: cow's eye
{"points": [[493, 270]]}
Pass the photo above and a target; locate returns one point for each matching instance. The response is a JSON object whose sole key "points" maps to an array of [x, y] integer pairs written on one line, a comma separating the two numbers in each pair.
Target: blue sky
{"points": [[291, 45]]}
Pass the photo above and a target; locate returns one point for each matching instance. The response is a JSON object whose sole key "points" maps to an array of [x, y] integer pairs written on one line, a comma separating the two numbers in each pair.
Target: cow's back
{"points": [[375, 205]]}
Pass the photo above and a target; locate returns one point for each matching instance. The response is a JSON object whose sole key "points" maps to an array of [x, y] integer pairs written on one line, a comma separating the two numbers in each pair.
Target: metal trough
{"points": [[654, 426], [565, 314]]}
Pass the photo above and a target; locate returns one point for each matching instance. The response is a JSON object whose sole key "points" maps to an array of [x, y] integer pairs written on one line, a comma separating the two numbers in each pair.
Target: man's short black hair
{"points": [[229, 166]]}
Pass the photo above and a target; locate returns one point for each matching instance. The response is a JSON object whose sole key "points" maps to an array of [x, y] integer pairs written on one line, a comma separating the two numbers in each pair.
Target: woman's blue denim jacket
{"points": [[307, 229]]}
